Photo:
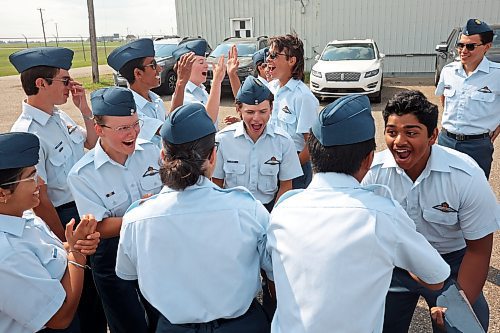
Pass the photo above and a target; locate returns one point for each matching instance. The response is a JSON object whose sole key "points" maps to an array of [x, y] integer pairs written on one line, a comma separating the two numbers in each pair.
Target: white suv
{"points": [[348, 67]]}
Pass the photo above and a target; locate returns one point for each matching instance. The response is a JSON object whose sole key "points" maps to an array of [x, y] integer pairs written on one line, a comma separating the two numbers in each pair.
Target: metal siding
{"points": [[399, 27]]}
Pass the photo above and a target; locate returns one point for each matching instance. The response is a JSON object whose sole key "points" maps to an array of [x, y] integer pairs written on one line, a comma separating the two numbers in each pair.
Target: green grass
{"points": [[105, 80], [80, 59]]}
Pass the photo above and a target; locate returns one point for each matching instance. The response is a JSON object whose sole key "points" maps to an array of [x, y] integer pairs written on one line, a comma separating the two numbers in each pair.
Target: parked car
{"points": [[246, 48], [446, 51], [164, 47], [348, 67]]}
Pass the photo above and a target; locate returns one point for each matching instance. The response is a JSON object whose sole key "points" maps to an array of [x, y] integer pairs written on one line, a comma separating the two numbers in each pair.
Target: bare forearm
{"points": [[234, 80], [474, 268], [213, 102], [178, 97], [109, 227], [46, 211]]}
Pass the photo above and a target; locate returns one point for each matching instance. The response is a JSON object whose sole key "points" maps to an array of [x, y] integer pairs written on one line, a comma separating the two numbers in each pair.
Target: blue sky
{"points": [[137, 17]]}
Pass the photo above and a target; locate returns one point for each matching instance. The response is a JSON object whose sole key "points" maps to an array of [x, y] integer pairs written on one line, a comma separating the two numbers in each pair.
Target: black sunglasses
{"points": [[65, 81], [153, 65], [275, 55], [469, 46]]}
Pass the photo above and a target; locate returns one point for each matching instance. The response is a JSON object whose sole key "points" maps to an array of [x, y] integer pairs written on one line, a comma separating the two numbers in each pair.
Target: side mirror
{"points": [[382, 55], [442, 48], [316, 57]]}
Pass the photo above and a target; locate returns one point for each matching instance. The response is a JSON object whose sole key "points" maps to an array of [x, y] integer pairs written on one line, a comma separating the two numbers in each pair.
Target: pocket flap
{"points": [[236, 168]]}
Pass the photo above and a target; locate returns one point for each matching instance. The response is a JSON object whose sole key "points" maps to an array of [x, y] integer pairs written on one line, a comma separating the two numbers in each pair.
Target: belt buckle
{"points": [[460, 137]]}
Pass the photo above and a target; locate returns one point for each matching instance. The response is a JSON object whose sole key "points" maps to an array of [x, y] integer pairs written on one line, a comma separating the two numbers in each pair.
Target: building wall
{"points": [[407, 31]]}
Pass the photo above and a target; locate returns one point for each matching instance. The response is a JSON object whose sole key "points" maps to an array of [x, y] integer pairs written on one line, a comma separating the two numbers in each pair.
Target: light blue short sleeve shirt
{"points": [[450, 202], [472, 103], [32, 263], [152, 113], [294, 109], [259, 165], [196, 253], [105, 188], [61, 146]]}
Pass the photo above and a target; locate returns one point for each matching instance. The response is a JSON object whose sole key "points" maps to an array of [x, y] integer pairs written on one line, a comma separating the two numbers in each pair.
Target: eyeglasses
{"points": [[263, 65], [34, 178], [275, 55], [66, 81], [153, 65], [469, 46], [125, 128]]}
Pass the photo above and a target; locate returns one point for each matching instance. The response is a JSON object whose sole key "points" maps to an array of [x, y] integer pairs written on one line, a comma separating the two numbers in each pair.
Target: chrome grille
{"points": [[342, 76]]}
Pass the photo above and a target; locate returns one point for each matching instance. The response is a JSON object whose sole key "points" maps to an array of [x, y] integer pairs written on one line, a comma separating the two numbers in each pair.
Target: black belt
{"points": [[463, 137], [70, 204]]}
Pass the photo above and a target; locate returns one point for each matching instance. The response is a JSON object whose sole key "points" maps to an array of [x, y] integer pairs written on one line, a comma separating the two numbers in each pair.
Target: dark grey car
{"points": [[446, 51]]}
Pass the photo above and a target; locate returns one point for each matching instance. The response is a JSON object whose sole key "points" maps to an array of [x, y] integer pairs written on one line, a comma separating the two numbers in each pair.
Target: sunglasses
{"points": [[469, 46], [153, 65], [66, 81], [275, 55], [34, 178]]}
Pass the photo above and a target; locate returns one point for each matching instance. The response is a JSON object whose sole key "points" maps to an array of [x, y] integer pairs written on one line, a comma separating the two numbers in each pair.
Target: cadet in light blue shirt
{"points": [[253, 153], [40, 283], [196, 249], [470, 92], [120, 170], [189, 87], [136, 63], [295, 107]]}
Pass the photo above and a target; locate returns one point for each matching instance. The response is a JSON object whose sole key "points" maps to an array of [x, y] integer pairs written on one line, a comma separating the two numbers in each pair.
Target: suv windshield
{"points": [[496, 38], [164, 50], [338, 52], [244, 49]]}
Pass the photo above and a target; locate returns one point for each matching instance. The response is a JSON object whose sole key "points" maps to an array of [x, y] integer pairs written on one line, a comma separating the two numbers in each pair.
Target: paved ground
{"points": [[12, 95]]}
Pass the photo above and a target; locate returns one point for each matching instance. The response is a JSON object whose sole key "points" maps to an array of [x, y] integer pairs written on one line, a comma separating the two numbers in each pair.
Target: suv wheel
{"points": [[377, 97]]}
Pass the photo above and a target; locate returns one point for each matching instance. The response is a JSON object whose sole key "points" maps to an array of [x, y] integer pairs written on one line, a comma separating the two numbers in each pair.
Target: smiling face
{"points": [[472, 58], [279, 65], [57, 92], [409, 143], [118, 136], [199, 70], [255, 118], [23, 193], [149, 76]]}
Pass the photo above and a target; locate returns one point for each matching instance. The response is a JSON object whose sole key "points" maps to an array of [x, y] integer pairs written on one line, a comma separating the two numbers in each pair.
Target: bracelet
{"points": [[74, 251], [91, 117], [78, 265]]}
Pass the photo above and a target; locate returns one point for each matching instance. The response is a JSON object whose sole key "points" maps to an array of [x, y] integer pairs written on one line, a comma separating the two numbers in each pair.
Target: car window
{"points": [[244, 49], [164, 50], [351, 51], [496, 38]]}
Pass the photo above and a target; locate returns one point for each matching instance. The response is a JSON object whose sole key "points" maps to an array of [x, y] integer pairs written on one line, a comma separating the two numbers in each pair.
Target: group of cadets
{"points": [[173, 216]]}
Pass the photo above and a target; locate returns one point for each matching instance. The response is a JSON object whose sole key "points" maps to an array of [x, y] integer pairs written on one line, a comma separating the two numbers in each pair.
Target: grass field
{"points": [[81, 58]]}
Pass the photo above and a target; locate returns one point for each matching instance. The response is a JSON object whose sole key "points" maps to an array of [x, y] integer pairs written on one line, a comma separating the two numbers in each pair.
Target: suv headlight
{"points": [[372, 73], [316, 73]]}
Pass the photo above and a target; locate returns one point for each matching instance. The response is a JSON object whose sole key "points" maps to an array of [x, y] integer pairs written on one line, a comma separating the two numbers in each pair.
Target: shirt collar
{"points": [[484, 66], [203, 182], [12, 225], [190, 86], [333, 179], [438, 161], [141, 101], [240, 130], [292, 84], [101, 157], [38, 115]]}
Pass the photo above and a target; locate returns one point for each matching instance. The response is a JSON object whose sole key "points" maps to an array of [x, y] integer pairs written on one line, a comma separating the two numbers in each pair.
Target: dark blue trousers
{"points": [[404, 292], [89, 317], [481, 150], [253, 321], [120, 298], [304, 180]]}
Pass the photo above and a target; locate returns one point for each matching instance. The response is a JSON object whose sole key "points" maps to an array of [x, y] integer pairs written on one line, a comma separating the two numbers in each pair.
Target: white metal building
{"points": [[407, 31]]}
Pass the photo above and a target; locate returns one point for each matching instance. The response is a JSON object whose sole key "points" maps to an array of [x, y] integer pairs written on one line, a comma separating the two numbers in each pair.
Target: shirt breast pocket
{"points": [[268, 178], [116, 202], [57, 162], [151, 183], [449, 92], [483, 97], [285, 117], [77, 136], [234, 174], [445, 224]]}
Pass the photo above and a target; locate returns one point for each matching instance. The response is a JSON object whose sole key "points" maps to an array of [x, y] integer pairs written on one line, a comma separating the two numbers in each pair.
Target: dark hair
{"points": [[185, 163], [415, 103], [341, 159], [292, 46], [486, 37], [10, 175], [29, 76], [127, 70]]}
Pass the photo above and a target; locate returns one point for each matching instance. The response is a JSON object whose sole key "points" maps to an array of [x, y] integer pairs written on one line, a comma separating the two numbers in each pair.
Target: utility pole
{"points": [[57, 35], [43, 26], [93, 42]]}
